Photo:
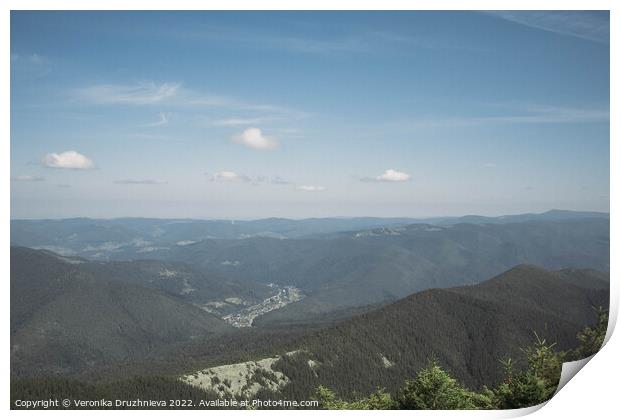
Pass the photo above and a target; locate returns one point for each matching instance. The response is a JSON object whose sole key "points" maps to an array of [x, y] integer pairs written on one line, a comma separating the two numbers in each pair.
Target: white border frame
{"points": [[591, 395]]}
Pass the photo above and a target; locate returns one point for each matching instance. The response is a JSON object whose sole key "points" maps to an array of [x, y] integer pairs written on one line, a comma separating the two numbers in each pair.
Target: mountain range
{"points": [[112, 238], [336, 269], [352, 304]]}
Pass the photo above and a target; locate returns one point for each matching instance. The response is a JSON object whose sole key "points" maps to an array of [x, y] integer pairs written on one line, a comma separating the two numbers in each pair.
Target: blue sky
{"points": [[308, 114]]}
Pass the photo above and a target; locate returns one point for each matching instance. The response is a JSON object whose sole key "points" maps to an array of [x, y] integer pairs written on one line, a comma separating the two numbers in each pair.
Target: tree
{"points": [[534, 385], [591, 338], [435, 389], [379, 400]]}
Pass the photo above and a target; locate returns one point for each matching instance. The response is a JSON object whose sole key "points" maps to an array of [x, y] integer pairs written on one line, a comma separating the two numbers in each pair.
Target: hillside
{"points": [[197, 286], [382, 265], [337, 263], [64, 319], [467, 328]]}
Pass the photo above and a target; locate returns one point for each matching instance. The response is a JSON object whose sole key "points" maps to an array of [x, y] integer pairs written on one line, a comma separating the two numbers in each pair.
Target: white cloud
{"points": [[229, 176], [67, 160], [392, 175], [140, 182], [311, 188], [27, 178], [140, 94], [254, 138]]}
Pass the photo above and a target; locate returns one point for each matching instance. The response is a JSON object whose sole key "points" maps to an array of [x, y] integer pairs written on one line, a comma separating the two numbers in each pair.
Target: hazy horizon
{"points": [[250, 219]]}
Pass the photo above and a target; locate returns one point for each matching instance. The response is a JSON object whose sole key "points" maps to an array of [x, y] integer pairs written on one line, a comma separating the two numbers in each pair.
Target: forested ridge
{"points": [[432, 387], [64, 320], [466, 331]]}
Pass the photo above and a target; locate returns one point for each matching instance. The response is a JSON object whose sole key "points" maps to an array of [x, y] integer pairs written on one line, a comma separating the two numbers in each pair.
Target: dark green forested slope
{"points": [[531, 384], [64, 320], [381, 265], [177, 279], [430, 388], [468, 329]]}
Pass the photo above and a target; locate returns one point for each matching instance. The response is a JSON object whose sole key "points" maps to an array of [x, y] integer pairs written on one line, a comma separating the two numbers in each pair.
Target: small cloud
{"points": [[67, 160], [229, 176], [27, 178], [311, 188], [390, 175], [254, 138], [140, 182]]}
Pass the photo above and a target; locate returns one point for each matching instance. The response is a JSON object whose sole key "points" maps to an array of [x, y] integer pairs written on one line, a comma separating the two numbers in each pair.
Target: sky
{"points": [[244, 115]]}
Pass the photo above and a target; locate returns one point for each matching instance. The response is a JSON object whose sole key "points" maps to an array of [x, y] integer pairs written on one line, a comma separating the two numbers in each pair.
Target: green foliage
{"points": [[534, 385], [591, 338], [379, 400], [539, 381], [435, 389], [478, 325]]}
